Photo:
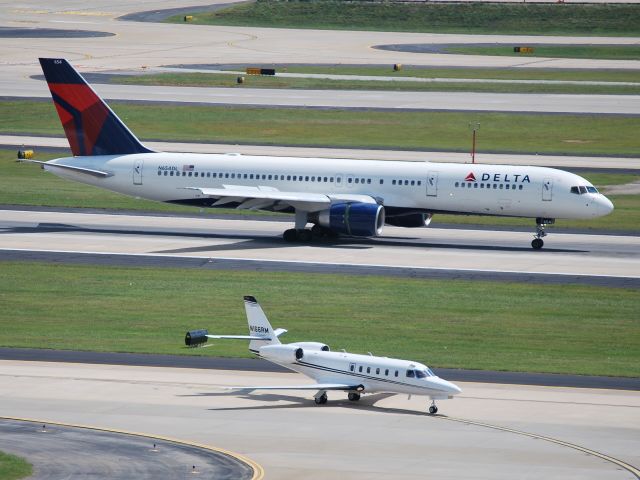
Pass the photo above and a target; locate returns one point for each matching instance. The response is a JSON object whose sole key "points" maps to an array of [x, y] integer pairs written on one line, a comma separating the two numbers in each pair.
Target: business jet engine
{"points": [[354, 219]]}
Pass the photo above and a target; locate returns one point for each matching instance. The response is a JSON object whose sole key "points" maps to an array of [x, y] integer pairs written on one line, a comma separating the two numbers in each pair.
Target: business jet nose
{"points": [[448, 387]]}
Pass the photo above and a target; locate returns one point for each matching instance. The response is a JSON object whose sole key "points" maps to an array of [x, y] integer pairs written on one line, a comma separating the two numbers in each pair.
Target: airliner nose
{"points": [[606, 205]]}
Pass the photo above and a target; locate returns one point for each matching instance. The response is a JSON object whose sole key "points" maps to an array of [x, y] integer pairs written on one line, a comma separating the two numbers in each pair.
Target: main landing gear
{"points": [[320, 398], [537, 243], [433, 409], [304, 235]]}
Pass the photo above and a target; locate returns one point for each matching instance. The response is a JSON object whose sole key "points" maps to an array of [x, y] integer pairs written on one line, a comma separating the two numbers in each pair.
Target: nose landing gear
{"points": [[433, 409], [537, 243]]}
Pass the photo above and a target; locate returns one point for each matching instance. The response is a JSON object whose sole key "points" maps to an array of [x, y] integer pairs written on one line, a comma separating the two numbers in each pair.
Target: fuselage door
{"points": [[137, 171], [432, 184], [547, 190]]}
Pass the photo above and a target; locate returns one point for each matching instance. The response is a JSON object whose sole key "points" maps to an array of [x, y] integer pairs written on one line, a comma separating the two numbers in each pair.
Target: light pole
{"points": [[475, 126]]}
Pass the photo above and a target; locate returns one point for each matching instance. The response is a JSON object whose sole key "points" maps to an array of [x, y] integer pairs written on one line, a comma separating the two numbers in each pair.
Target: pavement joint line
{"points": [[258, 470], [330, 264], [628, 467]]}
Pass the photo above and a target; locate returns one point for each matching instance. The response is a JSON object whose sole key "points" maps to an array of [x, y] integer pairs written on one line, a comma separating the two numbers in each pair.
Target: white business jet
{"points": [[336, 196], [348, 372]]}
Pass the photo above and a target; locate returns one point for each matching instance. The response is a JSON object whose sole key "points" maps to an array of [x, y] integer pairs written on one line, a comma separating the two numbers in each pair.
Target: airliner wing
{"points": [[261, 198], [314, 386], [257, 198]]}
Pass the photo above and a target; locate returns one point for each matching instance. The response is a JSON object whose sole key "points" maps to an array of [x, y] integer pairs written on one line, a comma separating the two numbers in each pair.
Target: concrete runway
{"points": [[209, 240], [58, 451], [573, 163], [488, 432]]}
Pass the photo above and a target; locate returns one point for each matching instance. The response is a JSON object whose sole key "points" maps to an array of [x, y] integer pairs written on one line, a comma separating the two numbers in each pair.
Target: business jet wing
{"points": [[260, 198], [313, 386]]}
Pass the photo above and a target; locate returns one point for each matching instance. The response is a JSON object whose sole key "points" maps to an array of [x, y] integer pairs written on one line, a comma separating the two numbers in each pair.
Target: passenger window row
{"points": [[488, 186], [361, 369]]}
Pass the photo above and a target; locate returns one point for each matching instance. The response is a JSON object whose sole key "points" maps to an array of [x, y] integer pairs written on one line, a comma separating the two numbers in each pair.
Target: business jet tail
{"points": [[90, 125]]}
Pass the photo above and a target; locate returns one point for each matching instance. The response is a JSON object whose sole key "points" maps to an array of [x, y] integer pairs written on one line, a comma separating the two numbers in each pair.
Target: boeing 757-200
{"points": [[347, 372], [337, 196]]}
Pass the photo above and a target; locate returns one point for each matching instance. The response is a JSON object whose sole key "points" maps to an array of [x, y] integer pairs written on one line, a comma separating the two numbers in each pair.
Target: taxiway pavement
{"points": [[466, 252], [58, 451], [483, 434]]}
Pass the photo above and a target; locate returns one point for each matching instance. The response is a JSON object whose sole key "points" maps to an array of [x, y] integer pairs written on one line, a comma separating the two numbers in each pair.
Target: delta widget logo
{"points": [[470, 178]]}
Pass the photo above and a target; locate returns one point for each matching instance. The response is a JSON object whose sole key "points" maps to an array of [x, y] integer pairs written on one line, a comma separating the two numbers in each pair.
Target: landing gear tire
{"points": [[433, 409], [541, 222], [318, 231], [321, 400], [537, 243], [304, 235], [354, 397], [290, 235]]}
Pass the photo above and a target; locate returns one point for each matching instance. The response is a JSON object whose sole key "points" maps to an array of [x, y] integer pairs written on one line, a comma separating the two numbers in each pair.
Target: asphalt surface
{"points": [[58, 452], [259, 365], [23, 32]]}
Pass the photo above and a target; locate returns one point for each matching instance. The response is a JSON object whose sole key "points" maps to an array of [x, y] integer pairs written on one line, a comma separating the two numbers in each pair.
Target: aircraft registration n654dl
{"points": [[337, 196]]}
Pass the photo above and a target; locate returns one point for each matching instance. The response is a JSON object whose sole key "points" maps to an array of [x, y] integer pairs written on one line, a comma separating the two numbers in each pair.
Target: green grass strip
{"points": [[600, 75], [576, 329], [13, 467], [425, 130], [483, 18], [255, 81]]}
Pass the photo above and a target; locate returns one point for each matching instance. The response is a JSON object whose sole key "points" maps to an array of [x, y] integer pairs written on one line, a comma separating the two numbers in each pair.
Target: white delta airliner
{"points": [[337, 196], [347, 372]]}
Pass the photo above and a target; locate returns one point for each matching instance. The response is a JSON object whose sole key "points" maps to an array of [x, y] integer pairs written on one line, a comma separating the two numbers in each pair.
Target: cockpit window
{"points": [[411, 373], [582, 189], [423, 373]]}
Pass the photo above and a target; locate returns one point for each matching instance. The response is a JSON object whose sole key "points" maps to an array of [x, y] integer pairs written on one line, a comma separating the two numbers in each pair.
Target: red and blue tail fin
{"points": [[90, 125]]}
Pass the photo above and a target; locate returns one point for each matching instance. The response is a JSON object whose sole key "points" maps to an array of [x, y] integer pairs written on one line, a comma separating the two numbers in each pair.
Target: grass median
{"points": [[13, 467], [467, 18], [610, 52], [29, 185], [423, 130], [577, 329], [257, 81]]}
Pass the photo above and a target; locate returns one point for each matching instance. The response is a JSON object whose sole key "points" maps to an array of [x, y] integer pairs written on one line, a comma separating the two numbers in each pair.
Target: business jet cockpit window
{"points": [[420, 373]]}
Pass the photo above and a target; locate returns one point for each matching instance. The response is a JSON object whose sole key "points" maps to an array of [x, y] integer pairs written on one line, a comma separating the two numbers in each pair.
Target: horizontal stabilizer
{"points": [[87, 171], [239, 337]]}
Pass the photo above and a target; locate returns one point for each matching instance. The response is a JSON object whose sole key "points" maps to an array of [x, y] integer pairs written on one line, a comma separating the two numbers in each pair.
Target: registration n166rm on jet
{"points": [[347, 372], [337, 196]]}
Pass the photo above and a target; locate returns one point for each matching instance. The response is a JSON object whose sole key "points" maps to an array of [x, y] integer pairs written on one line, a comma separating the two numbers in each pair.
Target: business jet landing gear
{"points": [[353, 396], [320, 398], [433, 409], [537, 242]]}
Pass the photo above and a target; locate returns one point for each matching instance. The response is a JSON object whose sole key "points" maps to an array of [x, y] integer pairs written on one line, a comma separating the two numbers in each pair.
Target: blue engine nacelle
{"points": [[411, 220], [355, 219]]}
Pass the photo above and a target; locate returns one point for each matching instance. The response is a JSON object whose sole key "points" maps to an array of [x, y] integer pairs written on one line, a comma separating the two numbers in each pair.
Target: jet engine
{"points": [[195, 338], [412, 220], [355, 219], [282, 353], [317, 346]]}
